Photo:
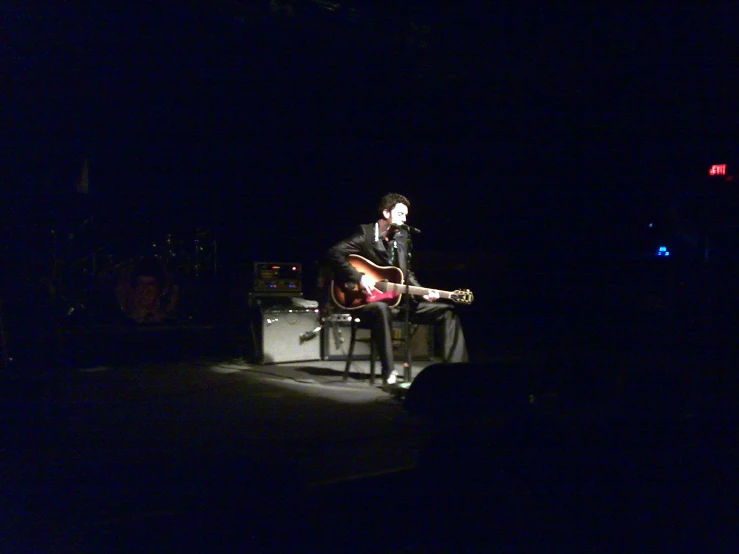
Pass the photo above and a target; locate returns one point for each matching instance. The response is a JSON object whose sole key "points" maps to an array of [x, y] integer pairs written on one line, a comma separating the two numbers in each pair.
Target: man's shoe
{"points": [[392, 378]]}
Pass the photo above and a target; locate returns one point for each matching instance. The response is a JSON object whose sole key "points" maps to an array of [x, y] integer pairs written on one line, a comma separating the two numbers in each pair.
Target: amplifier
{"points": [[277, 277], [337, 334], [284, 334], [272, 298]]}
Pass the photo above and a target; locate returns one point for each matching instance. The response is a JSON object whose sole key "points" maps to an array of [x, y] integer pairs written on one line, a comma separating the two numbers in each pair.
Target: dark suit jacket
{"points": [[362, 242]]}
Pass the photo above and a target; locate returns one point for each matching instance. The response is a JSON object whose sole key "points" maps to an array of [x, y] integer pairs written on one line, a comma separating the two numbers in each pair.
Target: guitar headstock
{"points": [[462, 296]]}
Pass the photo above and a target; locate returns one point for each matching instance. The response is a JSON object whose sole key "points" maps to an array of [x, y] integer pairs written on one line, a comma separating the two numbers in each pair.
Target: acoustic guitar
{"points": [[389, 287]]}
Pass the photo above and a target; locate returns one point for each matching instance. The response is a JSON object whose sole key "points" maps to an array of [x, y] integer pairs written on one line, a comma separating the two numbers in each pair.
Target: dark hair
{"points": [[389, 201]]}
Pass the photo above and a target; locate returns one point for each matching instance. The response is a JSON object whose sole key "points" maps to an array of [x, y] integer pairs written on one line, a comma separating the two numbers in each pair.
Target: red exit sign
{"points": [[717, 169]]}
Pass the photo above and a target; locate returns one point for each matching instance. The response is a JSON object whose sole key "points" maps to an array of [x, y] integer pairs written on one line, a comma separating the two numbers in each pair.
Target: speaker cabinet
{"points": [[337, 334], [285, 334]]}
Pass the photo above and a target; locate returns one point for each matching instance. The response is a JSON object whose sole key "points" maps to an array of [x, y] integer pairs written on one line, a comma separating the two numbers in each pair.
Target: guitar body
{"points": [[353, 298], [389, 287]]}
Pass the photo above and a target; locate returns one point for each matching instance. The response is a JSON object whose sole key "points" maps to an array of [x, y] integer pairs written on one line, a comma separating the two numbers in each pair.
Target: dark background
{"points": [[535, 142], [536, 145]]}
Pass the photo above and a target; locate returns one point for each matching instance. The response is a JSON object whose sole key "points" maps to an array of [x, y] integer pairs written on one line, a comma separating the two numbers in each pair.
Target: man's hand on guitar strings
{"points": [[368, 285]]}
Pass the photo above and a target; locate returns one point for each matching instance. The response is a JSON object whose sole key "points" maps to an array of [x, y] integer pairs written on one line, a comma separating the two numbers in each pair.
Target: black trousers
{"points": [[443, 315]]}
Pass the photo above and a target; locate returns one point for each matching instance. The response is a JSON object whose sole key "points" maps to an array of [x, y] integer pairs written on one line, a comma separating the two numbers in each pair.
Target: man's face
{"points": [[397, 215]]}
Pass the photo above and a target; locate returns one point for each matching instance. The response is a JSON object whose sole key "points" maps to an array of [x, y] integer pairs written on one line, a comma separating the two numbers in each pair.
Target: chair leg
{"points": [[407, 366], [350, 354]]}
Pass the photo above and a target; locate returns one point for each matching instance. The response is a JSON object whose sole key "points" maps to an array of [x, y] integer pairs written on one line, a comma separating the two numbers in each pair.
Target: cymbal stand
{"points": [[4, 349]]}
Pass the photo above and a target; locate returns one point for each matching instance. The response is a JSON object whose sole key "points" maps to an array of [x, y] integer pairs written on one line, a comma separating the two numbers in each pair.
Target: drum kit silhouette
{"points": [[144, 281]]}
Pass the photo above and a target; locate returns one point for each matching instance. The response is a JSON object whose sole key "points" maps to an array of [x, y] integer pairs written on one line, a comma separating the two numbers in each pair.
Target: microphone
{"points": [[406, 227]]}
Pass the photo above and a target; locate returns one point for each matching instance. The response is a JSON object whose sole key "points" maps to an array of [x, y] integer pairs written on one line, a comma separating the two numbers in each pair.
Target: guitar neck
{"points": [[413, 291]]}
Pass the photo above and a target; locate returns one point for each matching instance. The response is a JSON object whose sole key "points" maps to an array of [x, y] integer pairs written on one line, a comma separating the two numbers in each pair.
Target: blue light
{"points": [[662, 251]]}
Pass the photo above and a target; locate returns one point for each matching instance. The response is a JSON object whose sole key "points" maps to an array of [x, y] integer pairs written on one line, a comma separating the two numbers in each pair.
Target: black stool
{"points": [[355, 324]]}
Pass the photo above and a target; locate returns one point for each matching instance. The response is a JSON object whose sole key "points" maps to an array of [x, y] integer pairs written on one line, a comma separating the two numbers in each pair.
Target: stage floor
{"points": [[86, 444], [213, 453]]}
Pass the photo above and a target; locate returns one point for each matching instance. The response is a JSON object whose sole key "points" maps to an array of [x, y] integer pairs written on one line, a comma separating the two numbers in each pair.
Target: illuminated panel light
{"points": [[662, 251], [717, 169]]}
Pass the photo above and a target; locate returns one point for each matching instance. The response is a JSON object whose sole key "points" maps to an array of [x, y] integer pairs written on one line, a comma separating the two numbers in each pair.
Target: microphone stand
{"points": [[407, 371]]}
